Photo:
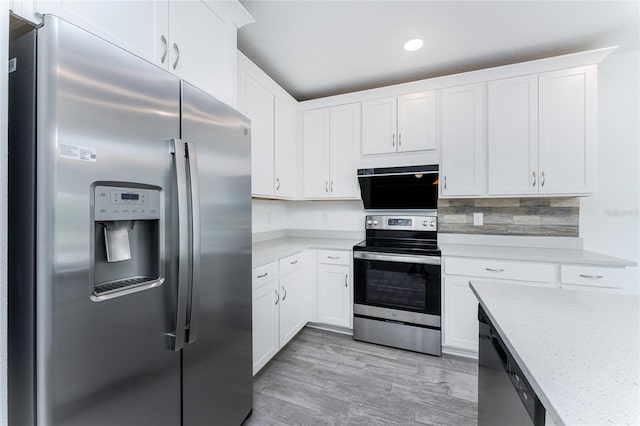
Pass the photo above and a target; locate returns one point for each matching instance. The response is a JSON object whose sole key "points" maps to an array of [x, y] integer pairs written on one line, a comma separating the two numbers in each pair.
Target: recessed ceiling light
{"points": [[414, 44]]}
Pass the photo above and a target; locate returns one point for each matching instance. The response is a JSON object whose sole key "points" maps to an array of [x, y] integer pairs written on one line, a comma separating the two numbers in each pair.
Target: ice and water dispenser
{"points": [[126, 240]]}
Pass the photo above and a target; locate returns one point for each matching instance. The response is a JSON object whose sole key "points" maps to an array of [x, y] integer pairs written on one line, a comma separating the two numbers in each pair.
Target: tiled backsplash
{"points": [[552, 217]]}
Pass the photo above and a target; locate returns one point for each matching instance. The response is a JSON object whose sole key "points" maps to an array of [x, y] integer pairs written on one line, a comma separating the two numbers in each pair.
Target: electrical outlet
{"points": [[325, 217], [477, 219]]}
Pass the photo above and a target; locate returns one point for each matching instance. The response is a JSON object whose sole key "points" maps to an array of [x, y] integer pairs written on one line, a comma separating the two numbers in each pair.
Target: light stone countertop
{"points": [[579, 350], [532, 254], [271, 250]]}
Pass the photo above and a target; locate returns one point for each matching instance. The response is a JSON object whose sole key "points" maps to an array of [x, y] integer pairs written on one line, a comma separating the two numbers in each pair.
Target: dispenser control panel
{"points": [[120, 203]]}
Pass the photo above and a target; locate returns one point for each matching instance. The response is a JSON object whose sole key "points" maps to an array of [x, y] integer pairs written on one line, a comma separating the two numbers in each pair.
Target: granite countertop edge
{"points": [[271, 250], [533, 254]]}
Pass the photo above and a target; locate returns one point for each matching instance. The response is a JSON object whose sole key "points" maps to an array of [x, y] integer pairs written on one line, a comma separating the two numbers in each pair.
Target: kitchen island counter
{"points": [[578, 349]]}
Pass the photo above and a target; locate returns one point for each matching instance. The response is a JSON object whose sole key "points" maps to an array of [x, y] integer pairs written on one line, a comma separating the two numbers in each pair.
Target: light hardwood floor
{"points": [[324, 378]]}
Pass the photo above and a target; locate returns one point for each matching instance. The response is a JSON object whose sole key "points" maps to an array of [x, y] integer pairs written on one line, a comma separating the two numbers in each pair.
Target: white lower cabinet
{"points": [[334, 288], [265, 324], [277, 306], [291, 303], [460, 315]]}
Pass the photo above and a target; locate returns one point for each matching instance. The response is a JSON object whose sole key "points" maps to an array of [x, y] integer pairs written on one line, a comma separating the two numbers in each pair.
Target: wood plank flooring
{"points": [[324, 378]]}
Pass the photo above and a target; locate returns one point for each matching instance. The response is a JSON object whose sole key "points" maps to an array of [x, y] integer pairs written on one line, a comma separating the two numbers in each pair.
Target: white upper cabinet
{"points": [[417, 122], [402, 124], [316, 135], [379, 126], [552, 153], [188, 38], [513, 136], [568, 119], [345, 135], [285, 149], [202, 48], [331, 137], [259, 107], [463, 134]]}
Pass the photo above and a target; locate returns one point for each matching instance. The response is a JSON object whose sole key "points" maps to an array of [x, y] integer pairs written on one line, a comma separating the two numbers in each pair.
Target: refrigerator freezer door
{"points": [[104, 115], [217, 372]]}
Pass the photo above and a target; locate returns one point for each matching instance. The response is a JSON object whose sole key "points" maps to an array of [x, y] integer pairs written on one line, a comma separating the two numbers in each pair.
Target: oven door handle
{"points": [[425, 260]]}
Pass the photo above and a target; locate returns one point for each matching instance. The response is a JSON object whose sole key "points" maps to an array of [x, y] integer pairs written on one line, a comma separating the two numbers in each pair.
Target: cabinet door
{"points": [[202, 48], [259, 109], [345, 137], [285, 150], [334, 295], [379, 126], [137, 26], [265, 324], [417, 122], [316, 153], [513, 136], [463, 140], [460, 316], [568, 131], [291, 303]]}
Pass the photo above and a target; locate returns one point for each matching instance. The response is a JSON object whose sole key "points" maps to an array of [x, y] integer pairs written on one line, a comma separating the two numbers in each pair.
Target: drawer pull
{"points": [[333, 257], [592, 277], [293, 263], [263, 275], [494, 270]]}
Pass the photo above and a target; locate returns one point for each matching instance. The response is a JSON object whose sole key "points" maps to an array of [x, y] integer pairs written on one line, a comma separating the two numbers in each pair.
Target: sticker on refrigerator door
{"points": [[12, 65], [76, 152]]}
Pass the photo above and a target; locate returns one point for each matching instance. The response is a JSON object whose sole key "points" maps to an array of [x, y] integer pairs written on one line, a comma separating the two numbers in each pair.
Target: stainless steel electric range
{"points": [[397, 284]]}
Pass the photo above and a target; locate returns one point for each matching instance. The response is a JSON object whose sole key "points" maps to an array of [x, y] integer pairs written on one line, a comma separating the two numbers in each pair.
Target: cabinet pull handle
{"points": [[399, 139], [445, 182], [285, 293], [277, 296], [333, 257], [326, 186], [592, 277], [346, 280], [163, 39], [542, 179], [277, 184], [293, 263], [534, 179], [393, 140], [263, 275], [331, 186], [494, 270], [175, 47]]}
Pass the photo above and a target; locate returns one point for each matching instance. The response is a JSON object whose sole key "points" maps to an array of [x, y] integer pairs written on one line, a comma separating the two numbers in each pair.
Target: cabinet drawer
{"points": [[334, 257], [592, 276], [264, 274], [500, 269], [290, 263]]}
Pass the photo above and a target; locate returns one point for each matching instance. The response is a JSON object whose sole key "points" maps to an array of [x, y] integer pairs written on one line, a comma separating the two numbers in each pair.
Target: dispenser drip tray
{"points": [[117, 288]]}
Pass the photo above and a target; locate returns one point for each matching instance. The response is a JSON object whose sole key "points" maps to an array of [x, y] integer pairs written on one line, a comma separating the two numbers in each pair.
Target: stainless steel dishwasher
{"points": [[505, 397]]}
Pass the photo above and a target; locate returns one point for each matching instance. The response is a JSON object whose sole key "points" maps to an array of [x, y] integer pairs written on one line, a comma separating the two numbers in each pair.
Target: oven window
{"points": [[405, 286]]}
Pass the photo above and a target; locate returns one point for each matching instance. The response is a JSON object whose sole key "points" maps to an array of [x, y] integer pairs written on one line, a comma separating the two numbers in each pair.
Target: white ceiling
{"points": [[321, 48]]}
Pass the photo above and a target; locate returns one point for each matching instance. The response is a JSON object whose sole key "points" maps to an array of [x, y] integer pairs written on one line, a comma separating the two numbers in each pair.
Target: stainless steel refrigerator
{"points": [[130, 241]]}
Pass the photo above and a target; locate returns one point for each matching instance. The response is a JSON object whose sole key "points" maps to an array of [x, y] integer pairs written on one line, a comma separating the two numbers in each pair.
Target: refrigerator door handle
{"points": [[192, 309], [179, 153]]}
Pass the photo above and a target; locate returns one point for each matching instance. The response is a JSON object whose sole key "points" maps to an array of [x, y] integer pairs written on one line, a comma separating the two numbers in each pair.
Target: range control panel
{"points": [[120, 203], [403, 223]]}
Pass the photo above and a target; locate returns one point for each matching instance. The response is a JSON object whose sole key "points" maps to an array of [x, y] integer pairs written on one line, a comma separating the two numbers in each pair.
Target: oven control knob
{"points": [[432, 223], [369, 222], [425, 223], [375, 222]]}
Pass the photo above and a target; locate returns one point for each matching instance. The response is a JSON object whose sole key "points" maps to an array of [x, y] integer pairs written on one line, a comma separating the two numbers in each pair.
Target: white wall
{"points": [[325, 215], [268, 215], [609, 221]]}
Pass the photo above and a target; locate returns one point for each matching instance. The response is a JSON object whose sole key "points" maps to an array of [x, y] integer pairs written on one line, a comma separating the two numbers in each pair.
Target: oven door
{"points": [[396, 287]]}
